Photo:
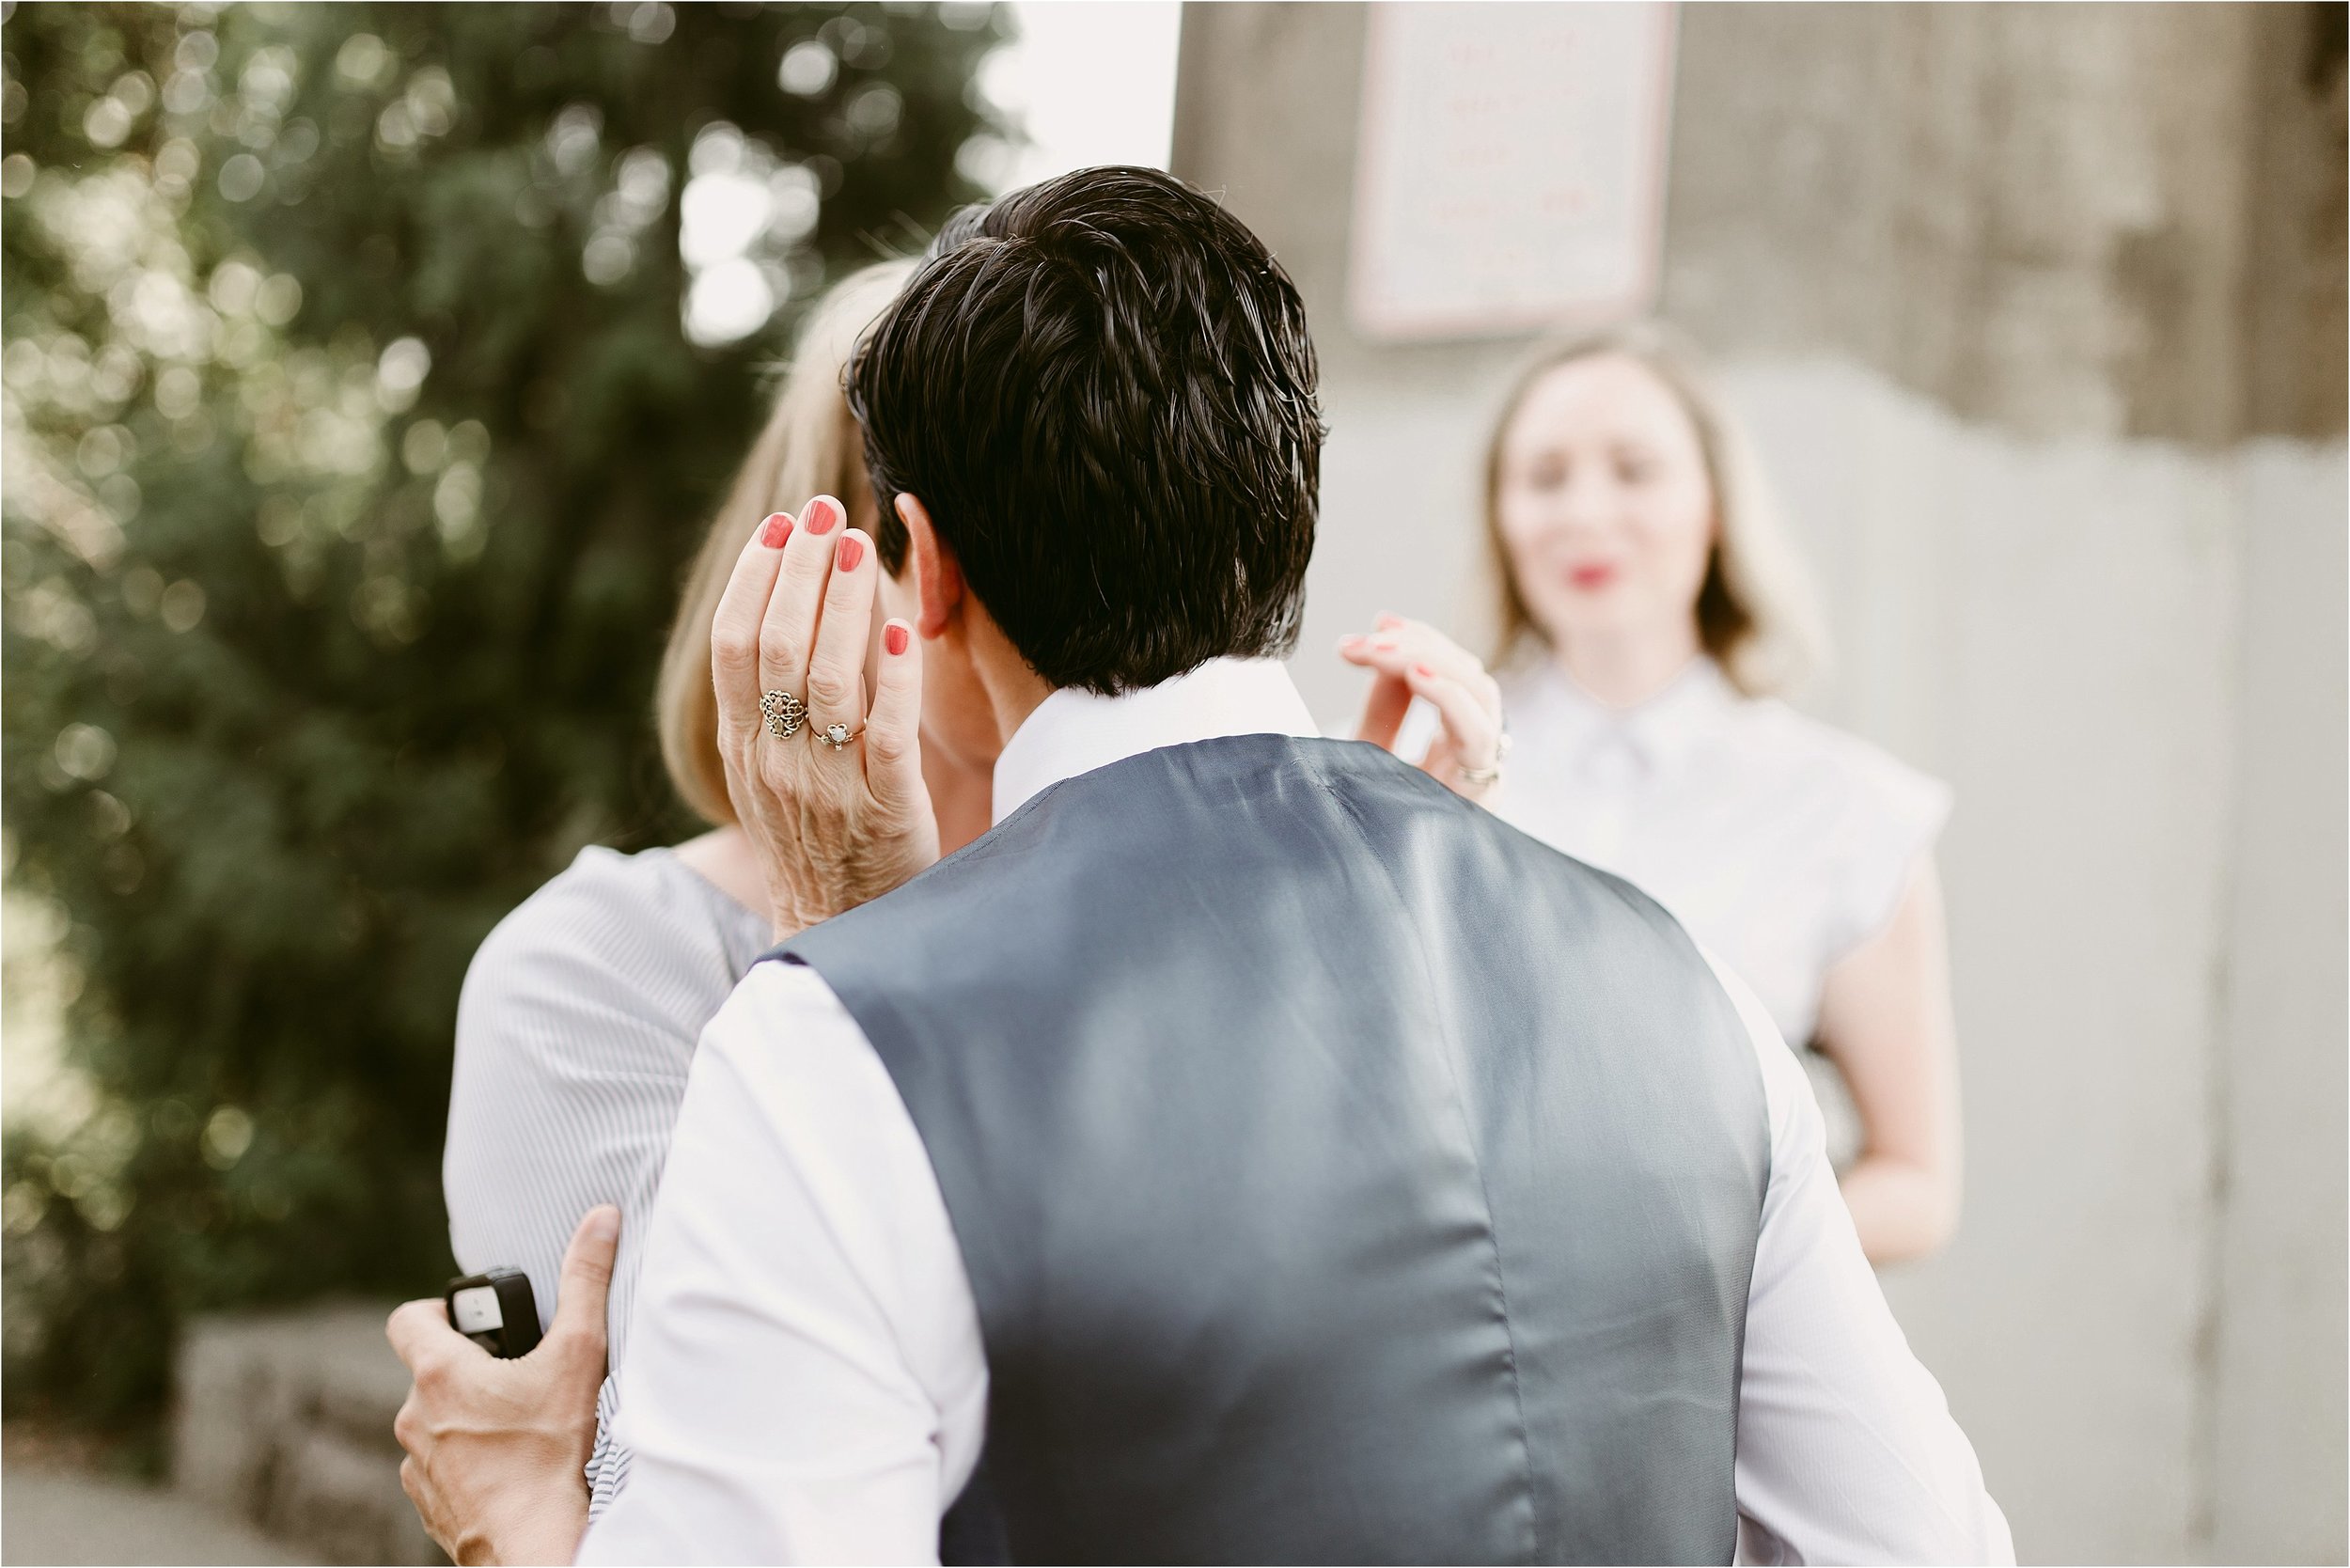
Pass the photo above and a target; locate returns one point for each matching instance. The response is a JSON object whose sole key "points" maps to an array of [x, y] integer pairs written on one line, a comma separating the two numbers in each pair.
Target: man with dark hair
{"points": [[1102, 389], [1248, 1151]]}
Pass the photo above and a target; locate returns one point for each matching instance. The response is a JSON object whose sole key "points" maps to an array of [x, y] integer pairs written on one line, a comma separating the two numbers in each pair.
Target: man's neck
{"points": [[1013, 688], [961, 796]]}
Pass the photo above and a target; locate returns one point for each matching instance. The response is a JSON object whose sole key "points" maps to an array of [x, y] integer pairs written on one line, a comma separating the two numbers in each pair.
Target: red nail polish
{"points": [[850, 552], [1423, 671], [894, 637], [778, 528], [819, 516]]}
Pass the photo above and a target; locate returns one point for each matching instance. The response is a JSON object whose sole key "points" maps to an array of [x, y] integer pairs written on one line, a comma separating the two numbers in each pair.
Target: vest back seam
{"points": [[1485, 1189]]}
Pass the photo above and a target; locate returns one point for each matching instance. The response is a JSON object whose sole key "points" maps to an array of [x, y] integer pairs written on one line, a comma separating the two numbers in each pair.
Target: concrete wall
{"points": [[2277, 1356], [283, 1422], [2036, 313]]}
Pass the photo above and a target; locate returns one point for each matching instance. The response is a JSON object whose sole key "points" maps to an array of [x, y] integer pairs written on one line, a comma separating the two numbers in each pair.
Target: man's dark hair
{"points": [[1102, 388]]}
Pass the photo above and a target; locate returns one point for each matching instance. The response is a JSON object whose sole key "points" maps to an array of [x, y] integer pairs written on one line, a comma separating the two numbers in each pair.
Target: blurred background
{"points": [[370, 370]]}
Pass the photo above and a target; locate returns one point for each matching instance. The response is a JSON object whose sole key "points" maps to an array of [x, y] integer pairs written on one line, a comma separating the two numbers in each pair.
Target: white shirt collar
{"points": [[1662, 729], [1074, 731]]}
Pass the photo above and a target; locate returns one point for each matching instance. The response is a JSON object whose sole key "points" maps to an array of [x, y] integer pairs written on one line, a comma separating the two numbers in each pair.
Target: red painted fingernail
{"points": [[819, 516], [850, 552], [1422, 670], [777, 529], [894, 637]]}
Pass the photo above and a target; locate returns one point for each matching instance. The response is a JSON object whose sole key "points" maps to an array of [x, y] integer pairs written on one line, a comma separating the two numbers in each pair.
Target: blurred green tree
{"points": [[361, 407]]}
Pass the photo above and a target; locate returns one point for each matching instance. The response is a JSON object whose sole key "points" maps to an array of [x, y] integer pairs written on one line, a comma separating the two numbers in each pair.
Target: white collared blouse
{"points": [[1782, 843]]}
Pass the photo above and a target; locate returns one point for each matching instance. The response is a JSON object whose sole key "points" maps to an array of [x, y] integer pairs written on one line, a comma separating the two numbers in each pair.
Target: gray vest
{"points": [[1341, 1175]]}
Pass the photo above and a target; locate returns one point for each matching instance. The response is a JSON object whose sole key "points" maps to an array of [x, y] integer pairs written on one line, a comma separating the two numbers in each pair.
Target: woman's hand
{"points": [[833, 825], [496, 1448], [1413, 659]]}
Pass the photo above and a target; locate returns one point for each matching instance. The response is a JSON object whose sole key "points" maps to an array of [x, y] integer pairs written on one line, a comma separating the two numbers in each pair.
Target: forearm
{"points": [[1901, 1208], [1886, 1022]]}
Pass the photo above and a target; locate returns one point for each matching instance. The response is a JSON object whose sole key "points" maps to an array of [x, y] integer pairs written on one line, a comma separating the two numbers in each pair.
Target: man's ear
{"points": [[938, 589]]}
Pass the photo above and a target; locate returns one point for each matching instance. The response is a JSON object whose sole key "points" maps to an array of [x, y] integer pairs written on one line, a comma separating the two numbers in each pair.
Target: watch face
{"points": [[475, 1311]]}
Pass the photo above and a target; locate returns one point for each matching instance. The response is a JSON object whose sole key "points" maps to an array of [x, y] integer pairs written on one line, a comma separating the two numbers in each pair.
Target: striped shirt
{"points": [[577, 1023]]}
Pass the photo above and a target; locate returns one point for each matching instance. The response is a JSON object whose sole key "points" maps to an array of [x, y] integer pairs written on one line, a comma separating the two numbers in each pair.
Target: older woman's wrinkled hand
{"points": [[826, 776]]}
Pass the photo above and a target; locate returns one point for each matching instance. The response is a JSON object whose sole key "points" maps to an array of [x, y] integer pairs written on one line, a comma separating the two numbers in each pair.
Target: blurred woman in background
{"points": [[1648, 616], [581, 1012]]}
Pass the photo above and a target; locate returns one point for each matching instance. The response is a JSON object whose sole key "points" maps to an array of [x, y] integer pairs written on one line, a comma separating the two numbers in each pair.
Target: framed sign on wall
{"points": [[1510, 172]]}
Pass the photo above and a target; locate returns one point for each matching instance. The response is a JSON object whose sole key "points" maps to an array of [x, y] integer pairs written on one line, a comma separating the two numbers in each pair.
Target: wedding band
{"points": [[837, 735], [785, 714], [1479, 778]]}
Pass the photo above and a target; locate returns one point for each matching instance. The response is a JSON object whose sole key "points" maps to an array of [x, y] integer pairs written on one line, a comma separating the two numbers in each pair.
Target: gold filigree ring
{"points": [[785, 714]]}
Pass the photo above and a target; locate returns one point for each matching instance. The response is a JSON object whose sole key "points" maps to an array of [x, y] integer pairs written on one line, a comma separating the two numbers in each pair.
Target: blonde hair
{"points": [[1755, 610], [811, 445]]}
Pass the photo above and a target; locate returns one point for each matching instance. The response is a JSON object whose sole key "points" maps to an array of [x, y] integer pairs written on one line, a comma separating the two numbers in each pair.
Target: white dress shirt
{"points": [[806, 1380]]}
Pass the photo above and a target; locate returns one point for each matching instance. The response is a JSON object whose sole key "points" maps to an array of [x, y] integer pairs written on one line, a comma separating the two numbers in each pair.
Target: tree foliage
{"points": [[354, 441]]}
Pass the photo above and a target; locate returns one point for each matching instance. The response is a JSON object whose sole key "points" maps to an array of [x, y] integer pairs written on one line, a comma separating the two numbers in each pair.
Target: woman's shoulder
{"points": [[613, 906], [1817, 761], [642, 932], [1863, 817], [575, 1034]]}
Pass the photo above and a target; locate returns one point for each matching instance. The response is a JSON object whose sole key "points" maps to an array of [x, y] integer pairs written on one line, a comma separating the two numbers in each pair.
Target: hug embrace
{"points": [[1240, 1146]]}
